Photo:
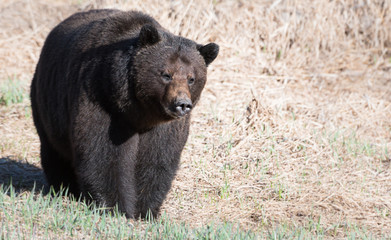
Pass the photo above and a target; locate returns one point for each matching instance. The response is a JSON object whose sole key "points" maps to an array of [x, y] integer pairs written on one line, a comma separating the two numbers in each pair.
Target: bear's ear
{"points": [[208, 51], [148, 35]]}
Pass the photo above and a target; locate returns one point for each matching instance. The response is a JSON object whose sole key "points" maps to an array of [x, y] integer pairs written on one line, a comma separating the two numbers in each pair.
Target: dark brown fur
{"points": [[111, 98]]}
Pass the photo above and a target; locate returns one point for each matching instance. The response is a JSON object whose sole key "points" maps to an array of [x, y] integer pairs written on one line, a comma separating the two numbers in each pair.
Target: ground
{"points": [[294, 124]]}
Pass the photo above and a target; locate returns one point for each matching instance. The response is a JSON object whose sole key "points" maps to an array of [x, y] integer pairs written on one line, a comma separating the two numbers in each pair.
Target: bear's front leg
{"points": [[157, 162], [106, 174], [153, 184], [105, 159]]}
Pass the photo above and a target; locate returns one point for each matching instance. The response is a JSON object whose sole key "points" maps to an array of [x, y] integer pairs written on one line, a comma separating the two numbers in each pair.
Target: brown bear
{"points": [[111, 99]]}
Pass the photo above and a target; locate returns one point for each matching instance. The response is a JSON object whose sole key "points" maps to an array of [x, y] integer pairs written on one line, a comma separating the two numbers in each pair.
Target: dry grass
{"points": [[294, 125]]}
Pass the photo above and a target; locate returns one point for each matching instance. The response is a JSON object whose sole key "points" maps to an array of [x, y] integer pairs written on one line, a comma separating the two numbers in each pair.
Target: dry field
{"points": [[294, 125]]}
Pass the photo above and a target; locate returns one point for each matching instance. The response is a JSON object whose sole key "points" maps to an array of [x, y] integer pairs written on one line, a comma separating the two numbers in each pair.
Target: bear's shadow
{"points": [[22, 175]]}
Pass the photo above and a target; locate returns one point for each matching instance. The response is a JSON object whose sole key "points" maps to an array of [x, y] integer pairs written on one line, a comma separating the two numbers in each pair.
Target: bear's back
{"points": [[87, 30], [58, 77]]}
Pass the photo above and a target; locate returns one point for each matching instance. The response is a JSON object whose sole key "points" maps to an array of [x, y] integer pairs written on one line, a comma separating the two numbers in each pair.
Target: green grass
{"points": [[32, 215], [11, 91], [346, 145]]}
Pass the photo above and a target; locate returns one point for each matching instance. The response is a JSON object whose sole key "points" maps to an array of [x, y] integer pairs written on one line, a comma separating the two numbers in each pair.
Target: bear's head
{"points": [[170, 72]]}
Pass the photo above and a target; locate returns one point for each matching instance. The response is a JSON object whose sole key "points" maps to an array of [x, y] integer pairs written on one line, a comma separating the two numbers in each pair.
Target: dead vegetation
{"points": [[294, 125]]}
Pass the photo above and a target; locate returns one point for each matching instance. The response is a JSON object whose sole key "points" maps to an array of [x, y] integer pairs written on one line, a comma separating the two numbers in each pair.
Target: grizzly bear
{"points": [[111, 99]]}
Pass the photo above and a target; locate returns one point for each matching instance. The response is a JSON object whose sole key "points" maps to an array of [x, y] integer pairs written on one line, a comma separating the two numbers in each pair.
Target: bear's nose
{"points": [[183, 106]]}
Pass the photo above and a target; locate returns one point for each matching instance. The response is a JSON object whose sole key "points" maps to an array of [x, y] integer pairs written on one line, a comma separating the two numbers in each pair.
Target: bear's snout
{"points": [[183, 106], [178, 99]]}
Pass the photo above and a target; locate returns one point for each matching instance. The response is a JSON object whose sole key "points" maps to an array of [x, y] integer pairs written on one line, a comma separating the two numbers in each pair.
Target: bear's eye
{"points": [[166, 77], [191, 81]]}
